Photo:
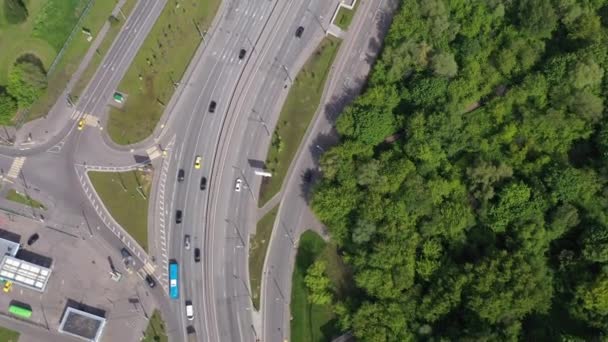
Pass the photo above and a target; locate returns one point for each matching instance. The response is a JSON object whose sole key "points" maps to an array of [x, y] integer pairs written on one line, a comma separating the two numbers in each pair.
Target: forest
{"points": [[469, 191]]}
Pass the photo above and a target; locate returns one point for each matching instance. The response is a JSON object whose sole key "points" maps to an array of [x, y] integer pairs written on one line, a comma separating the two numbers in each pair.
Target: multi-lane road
{"points": [[249, 92]]}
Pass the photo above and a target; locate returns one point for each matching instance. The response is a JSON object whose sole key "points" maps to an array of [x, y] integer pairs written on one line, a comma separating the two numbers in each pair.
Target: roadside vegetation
{"points": [[320, 279], [469, 189], [158, 66], [258, 246], [7, 335], [299, 108], [156, 330], [32, 34], [116, 23], [18, 197], [345, 16], [125, 195]]}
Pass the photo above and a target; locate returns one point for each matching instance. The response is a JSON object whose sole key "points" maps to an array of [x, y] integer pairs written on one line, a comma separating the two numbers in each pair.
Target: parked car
{"points": [[33, 239]]}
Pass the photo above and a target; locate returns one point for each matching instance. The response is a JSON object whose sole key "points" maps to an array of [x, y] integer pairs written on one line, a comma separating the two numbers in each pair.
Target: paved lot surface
{"points": [[81, 275]]}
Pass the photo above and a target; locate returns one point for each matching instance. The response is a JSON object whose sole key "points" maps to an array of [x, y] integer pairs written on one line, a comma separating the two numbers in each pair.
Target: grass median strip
{"points": [[345, 16], [125, 195], [312, 322], [257, 253], [74, 51], [299, 108], [158, 66], [115, 26], [8, 335], [156, 331], [18, 197]]}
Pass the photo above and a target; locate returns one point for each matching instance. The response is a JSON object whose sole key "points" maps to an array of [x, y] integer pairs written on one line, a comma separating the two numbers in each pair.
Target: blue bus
{"points": [[173, 284]]}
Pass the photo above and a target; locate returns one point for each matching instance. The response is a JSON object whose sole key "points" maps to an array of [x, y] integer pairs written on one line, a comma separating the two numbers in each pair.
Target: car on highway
{"points": [[33, 239], [178, 216], [197, 255], [189, 310], [237, 185], [187, 241], [203, 183], [197, 162], [180, 175], [212, 106], [299, 31], [242, 53], [81, 123], [150, 281]]}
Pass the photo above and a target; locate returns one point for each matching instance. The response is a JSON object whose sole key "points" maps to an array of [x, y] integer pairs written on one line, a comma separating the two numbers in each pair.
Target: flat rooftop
{"points": [[8, 247], [81, 324], [24, 273]]}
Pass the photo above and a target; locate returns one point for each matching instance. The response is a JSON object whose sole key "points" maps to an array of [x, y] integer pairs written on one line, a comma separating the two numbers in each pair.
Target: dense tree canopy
{"points": [[26, 81], [487, 217]]}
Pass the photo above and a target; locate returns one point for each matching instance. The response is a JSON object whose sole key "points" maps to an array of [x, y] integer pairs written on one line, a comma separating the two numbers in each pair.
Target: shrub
{"points": [[15, 11]]}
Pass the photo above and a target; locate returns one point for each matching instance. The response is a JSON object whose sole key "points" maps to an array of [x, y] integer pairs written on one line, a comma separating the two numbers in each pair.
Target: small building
{"points": [[8, 247], [82, 325], [24, 273]]}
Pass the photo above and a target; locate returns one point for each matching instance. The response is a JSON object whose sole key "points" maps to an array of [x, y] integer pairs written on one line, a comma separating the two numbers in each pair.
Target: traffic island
{"points": [[156, 329], [300, 107], [125, 196], [258, 246], [8, 335], [345, 15], [17, 197], [157, 68]]}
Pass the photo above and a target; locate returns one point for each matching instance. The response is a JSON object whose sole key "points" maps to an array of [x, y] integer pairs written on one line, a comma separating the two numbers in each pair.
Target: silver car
{"points": [[187, 241]]}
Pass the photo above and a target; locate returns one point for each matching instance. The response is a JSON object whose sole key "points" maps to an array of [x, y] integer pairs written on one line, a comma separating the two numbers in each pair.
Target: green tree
{"points": [[444, 64], [26, 81], [8, 107], [15, 11], [318, 284]]}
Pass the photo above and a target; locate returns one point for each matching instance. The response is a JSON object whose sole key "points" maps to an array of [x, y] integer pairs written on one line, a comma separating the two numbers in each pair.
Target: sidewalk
{"points": [[43, 129]]}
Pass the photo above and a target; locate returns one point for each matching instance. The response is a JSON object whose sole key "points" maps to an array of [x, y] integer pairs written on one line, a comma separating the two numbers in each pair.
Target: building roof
{"points": [[81, 324], [8, 247], [24, 273]]}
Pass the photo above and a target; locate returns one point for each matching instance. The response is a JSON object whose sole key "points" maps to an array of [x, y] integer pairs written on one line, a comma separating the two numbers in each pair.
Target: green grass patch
{"points": [[72, 56], [161, 61], [316, 323], [257, 253], [121, 193], [8, 335], [18, 197], [299, 108], [101, 51], [155, 332], [345, 17]]}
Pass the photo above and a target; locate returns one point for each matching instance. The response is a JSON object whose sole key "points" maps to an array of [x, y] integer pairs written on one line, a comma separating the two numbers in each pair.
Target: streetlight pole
{"points": [[261, 121], [317, 20], [238, 232], [285, 69]]}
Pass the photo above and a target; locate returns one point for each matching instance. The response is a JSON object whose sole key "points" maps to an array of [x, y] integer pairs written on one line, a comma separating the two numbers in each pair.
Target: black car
{"points": [[150, 281], [212, 107], [203, 183], [197, 255], [299, 31], [180, 175], [242, 53], [33, 239], [178, 216]]}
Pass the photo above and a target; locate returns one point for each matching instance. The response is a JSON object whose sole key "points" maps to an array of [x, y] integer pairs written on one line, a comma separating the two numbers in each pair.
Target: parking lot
{"points": [[80, 274]]}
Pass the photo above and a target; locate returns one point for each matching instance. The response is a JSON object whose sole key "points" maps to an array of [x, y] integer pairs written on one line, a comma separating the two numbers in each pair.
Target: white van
{"points": [[189, 310]]}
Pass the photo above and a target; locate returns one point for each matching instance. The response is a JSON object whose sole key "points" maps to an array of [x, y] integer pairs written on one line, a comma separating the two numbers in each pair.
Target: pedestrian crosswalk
{"points": [[149, 268], [13, 172], [153, 152]]}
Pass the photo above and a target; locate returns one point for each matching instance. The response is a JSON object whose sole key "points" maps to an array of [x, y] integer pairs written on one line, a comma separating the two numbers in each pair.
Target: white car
{"points": [[187, 242], [189, 310], [237, 186]]}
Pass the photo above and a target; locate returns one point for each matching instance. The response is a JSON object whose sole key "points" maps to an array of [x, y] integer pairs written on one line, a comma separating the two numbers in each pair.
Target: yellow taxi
{"points": [[197, 162], [81, 124], [8, 285]]}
